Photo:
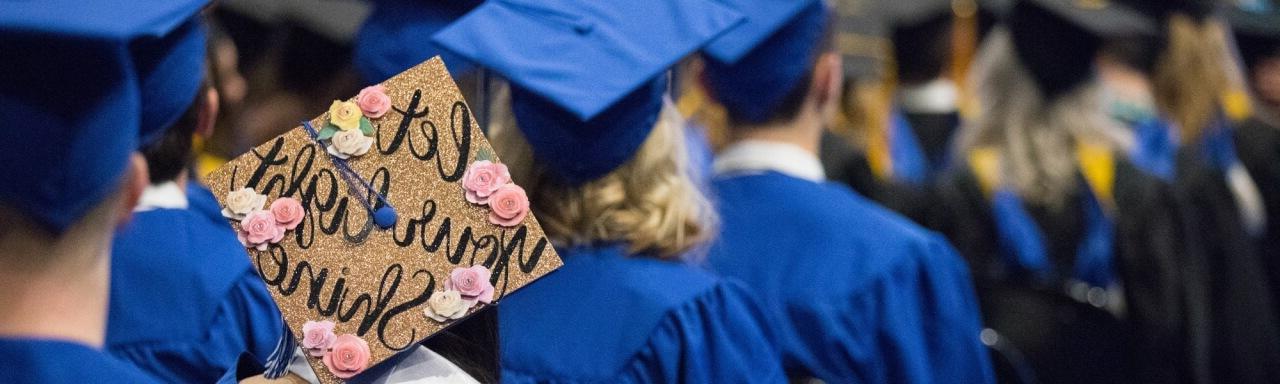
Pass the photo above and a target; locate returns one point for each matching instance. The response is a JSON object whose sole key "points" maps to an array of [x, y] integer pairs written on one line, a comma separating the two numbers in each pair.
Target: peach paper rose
{"points": [[373, 100], [483, 178], [346, 144], [472, 283], [318, 337], [288, 212], [259, 229], [349, 356], [345, 115], [242, 201], [508, 205]]}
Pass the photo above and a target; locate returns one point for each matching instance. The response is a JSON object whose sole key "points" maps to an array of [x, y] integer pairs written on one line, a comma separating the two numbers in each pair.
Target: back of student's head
{"points": [[771, 82], [922, 49], [651, 203], [171, 153]]}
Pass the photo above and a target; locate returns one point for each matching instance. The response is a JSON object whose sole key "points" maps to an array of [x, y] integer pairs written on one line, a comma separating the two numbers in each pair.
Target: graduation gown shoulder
{"points": [[860, 293], [1150, 345], [606, 317], [61, 362], [185, 302]]}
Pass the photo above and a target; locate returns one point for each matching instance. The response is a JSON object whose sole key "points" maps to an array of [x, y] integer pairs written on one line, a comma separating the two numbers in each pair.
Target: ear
{"points": [[136, 180], [207, 113], [828, 75]]}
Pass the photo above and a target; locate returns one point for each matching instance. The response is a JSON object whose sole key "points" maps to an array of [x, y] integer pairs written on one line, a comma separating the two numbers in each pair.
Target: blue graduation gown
{"points": [[862, 294], [56, 362], [185, 301], [606, 317]]}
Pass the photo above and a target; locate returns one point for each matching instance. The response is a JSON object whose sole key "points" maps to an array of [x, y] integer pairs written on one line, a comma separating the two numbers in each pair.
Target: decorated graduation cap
{"points": [[1057, 40], [751, 68], [588, 77], [75, 93], [382, 222], [397, 35]]}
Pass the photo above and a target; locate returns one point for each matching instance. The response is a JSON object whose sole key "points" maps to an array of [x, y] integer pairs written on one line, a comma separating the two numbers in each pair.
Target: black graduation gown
{"points": [[1238, 340], [845, 164], [1063, 339]]}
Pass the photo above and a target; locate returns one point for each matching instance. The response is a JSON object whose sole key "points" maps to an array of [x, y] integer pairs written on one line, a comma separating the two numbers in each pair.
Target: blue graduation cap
{"points": [[72, 97], [750, 69], [397, 36], [587, 76]]}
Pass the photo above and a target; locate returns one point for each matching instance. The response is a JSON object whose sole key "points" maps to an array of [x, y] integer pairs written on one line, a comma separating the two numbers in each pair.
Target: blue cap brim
{"points": [[397, 36]]}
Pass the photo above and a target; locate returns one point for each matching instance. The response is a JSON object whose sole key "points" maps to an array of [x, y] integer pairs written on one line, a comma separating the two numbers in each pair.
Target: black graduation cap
{"points": [[1057, 40], [921, 35], [1257, 30]]}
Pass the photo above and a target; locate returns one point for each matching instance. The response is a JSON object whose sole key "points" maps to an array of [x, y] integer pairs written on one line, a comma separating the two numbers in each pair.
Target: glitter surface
{"points": [[337, 265]]}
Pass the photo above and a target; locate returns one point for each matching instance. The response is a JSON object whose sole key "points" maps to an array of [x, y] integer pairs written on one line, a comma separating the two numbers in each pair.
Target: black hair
{"points": [[472, 345], [170, 154], [922, 50]]}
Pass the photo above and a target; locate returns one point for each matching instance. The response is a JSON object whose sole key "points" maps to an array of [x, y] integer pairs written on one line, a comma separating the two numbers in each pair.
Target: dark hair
{"points": [[922, 50], [171, 153], [789, 107], [472, 345]]}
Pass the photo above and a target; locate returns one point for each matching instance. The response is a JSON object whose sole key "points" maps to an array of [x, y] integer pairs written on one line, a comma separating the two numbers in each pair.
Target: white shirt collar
{"points": [[758, 156], [937, 96], [167, 195]]}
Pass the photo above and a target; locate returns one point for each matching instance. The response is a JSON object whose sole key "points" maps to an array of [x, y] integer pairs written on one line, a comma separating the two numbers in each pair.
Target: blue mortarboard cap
{"points": [[71, 94], [170, 65], [397, 36], [587, 76], [750, 69]]}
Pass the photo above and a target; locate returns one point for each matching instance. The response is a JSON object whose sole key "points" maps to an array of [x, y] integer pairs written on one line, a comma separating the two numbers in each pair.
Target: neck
{"points": [[56, 292], [805, 131]]}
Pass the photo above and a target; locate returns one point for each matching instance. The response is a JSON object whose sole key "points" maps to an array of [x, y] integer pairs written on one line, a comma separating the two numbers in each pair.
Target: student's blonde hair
{"points": [[1035, 137], [1194, 73], [652, 203]]}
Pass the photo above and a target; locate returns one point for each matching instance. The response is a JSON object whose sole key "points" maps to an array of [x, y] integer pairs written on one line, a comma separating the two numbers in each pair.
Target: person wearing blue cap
{"points": [[861, 294], [73, 92], [1077, 252], [594, 139], [185, 301]]}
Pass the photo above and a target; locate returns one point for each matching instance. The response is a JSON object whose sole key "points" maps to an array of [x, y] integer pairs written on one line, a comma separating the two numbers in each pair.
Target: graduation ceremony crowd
{"points": [[741, 191]]}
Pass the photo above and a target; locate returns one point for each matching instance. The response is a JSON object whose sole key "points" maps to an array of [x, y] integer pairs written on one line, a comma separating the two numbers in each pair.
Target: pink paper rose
{"points": [[373, 101], [258, 229], [288, 212], [473, 283], [483, 178], [349, 357], [318, 337], [509, 205]]}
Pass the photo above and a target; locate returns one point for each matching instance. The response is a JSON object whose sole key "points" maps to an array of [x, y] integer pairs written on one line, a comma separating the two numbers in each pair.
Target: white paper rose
{"points": [[242, 201], [446, 305], [345, 144]]}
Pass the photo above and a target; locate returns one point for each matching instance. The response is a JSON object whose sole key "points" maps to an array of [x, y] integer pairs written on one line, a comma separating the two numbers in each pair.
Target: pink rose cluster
{"points": [[464, 288], [489, 183], [345, 356], [259, 228]]}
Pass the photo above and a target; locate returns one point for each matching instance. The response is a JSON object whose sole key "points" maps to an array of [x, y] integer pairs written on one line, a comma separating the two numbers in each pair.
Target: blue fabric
{"points": [[1156, 149], [74, 92], [860, 294], [61, 362], [587, 76], [1218, 145], [752, 86], [185, 301], [606, 317], [910, 165], [170, 68], [397, 36], [1024, 248]]}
